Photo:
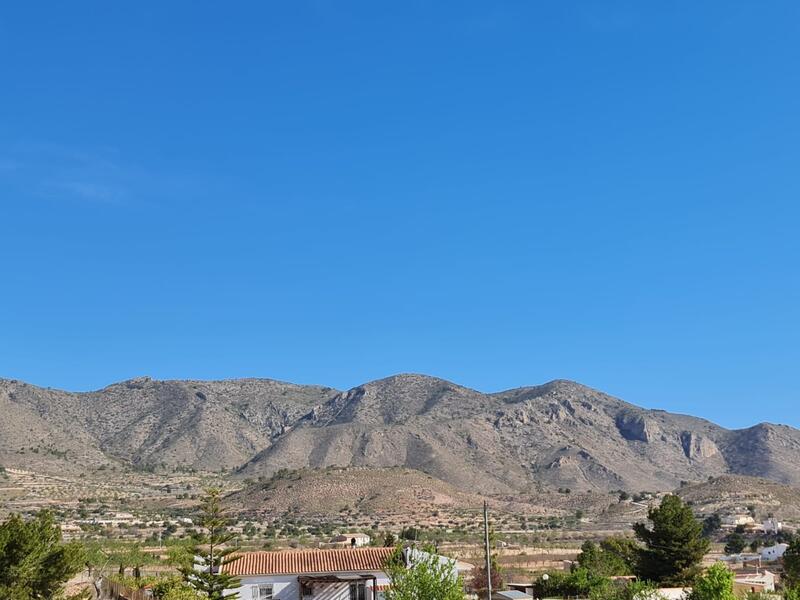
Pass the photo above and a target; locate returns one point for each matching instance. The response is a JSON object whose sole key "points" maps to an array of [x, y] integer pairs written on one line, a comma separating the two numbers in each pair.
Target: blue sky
{"points": [[331, 192]]}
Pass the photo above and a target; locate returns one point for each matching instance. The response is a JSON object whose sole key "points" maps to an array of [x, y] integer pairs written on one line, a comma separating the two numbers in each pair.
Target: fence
{"points": [[116, 591]]}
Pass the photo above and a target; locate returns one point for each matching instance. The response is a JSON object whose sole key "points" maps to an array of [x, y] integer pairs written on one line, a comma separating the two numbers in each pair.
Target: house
{"points": [[774, 552], [329, 574], [756, 582], [737, 520], [673, 593], [511, 595], [772, 526], [664, 594], [351, 540]]}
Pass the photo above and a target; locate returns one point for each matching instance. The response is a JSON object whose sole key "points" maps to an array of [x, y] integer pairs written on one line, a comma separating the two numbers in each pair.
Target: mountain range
{"points": [[560, 434]]}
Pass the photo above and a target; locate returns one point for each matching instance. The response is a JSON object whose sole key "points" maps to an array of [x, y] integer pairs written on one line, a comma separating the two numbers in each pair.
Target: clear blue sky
{"points": [[498, 193]]}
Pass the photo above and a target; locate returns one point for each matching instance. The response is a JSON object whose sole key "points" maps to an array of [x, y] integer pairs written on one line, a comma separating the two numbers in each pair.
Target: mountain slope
{"points": [[560, 434], [204, 425]]}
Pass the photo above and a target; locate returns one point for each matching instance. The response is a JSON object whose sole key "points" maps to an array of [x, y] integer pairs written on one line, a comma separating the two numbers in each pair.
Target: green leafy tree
{"points": [[409, 533], [791, 564], [714, 584], [792, 593], [614, 556], [212, 551], [628, 590], [735, 543], [180, 593], [674, 545], [180, 554], [173, 588], [579, 582], [34, 561], [427, 577]]}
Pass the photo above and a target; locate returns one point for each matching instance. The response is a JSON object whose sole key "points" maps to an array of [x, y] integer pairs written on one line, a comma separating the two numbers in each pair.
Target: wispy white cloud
{"points": [[58, 172]]}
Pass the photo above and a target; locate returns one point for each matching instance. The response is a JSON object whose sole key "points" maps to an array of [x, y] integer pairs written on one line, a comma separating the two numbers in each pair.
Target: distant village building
{"points": [[352, 540], [511, 595], [669, 594], [774, 552], [772, 526], [757, 582], [737, 520]]}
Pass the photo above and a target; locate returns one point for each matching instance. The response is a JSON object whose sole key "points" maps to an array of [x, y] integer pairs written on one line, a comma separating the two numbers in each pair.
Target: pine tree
{"points": [[34, 562], [674, 546], [735, 543], [212, 551]]}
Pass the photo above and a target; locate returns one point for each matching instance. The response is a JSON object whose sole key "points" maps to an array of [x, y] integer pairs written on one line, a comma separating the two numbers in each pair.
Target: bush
{"points": [[714, 584]]}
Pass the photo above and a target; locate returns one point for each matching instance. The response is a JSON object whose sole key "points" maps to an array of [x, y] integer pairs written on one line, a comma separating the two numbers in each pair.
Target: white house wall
{"points": [[287, 587]]}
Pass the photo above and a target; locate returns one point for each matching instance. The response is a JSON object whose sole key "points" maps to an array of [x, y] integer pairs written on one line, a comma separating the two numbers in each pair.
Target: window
{"points": [[262, 591], [358, 591]]}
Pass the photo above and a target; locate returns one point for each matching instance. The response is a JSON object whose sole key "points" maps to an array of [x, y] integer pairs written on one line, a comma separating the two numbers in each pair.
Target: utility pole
{"points": [[488, 551]]}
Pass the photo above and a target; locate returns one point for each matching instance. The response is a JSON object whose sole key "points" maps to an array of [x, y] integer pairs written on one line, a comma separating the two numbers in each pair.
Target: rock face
{"points": [[635, 427], [698, 447], [559, 434]]}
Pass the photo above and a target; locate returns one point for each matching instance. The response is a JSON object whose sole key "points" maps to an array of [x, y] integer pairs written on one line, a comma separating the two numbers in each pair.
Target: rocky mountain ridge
{"points": [[560, 434]]}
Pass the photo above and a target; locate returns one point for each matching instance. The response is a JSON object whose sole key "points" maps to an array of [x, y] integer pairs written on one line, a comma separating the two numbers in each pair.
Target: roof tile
{"points": [[309, 561]]}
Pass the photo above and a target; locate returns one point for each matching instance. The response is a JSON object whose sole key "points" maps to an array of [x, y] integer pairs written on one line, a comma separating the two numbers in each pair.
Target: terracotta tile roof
{"points": [[310, 561]]}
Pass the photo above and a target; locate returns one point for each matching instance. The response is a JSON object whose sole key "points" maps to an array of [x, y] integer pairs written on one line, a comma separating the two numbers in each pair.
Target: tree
{"points": [[212, 551], [735, 543], [34, 562], [615, 556], [180, 593], [711, 525], [791, 563], [173, 589], [409, 533], [135, 558], [714, 584], [622, 554], [791, 593], [389, 540], [180, 554], [674, 545], [424, 577], [579, 582], [479, 582], [629, 590]]}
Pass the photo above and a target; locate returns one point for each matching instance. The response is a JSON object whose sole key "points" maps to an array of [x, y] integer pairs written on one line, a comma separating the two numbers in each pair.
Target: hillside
{"points": [[329, 492], [735, 493], [208, 425], [561, 434]]}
